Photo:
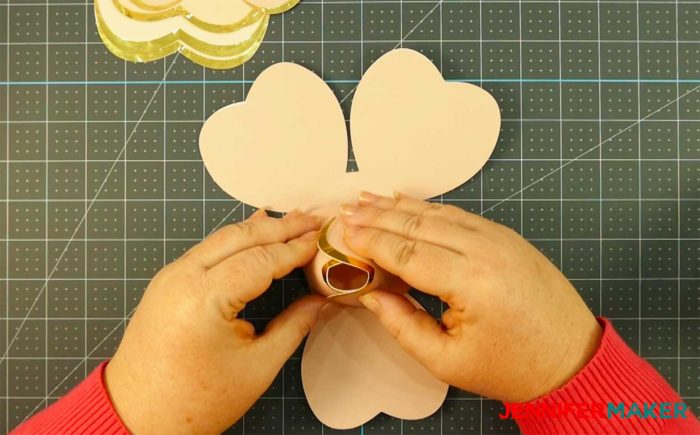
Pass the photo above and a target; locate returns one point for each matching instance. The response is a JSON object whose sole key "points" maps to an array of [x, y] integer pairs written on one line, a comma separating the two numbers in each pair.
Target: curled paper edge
{"points": [[336, 258], [315, 275], [177, 10], [144, 5]]}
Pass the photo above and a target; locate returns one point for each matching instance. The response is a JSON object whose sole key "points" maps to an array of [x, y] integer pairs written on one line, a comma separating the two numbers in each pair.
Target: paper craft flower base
{"points": [[352, 369], [287, 147]]}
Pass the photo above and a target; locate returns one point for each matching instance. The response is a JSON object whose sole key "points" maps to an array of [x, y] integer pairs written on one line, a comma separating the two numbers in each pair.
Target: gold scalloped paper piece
{"points": [[157, 5], [147, 40], [271, 6], [146, 10], [209, 55], [337, 259], [166, 36], [228, 17]]}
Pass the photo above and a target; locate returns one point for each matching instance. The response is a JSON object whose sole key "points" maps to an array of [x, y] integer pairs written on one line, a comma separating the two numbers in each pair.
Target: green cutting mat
{"points": [[598, 165]]}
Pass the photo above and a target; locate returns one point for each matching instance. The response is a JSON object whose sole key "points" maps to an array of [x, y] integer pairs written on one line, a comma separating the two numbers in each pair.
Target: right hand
{"points": [[516, 329]]}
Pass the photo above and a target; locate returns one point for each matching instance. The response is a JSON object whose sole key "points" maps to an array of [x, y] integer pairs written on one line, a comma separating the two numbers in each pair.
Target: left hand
{"points": [[187, 364]]}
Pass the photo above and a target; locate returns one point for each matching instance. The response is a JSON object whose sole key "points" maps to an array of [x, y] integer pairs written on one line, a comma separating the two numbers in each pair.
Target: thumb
{"points": [[415, 330], [286, 331]]}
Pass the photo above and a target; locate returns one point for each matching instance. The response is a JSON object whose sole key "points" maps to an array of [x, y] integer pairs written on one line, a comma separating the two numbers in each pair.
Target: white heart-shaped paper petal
{"points": [[411, 132], [427, 135], [352, 370], [250, 148]]}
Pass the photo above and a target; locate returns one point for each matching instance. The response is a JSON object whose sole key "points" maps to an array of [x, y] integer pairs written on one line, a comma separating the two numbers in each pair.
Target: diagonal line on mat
{"points": [[82, 360], [109, 334], [568, 162], [401, 41], [216, 227], [95, 197], [87, 211], [116, 327]]}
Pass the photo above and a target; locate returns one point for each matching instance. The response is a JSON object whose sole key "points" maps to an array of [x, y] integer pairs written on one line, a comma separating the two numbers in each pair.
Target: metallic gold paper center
{"points": [[343, 274]]}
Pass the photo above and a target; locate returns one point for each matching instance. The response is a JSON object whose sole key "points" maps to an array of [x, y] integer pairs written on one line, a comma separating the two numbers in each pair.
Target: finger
{"points": [[259, 213], [430, 229], [293, 213], [235, 238], [415, 330], [410, 205], [451, 319], [285, 332], [245, 276], [425, 266]]}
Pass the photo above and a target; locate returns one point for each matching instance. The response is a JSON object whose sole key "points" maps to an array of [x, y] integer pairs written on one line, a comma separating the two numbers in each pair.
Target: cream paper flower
{"points": [[286, 146]]}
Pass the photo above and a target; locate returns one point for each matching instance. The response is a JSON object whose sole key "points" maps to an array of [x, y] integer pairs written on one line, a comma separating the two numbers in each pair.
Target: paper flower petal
{"points": [[411, 131], [253, 149], [429, 135], [352, 370]]}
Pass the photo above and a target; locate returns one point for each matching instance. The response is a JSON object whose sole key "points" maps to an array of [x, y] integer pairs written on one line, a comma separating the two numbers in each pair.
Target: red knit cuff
{"points": [[86, 409], [615, 375]]}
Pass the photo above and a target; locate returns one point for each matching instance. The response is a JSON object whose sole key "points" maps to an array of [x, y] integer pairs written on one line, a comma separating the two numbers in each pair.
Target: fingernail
{"points": [[371, 303], [351, 231], [367, 197], [311, 235], [349, 210]]}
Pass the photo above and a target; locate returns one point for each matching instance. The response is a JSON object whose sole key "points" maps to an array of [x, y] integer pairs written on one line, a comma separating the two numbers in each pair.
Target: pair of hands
{"points": [[515, 329]]}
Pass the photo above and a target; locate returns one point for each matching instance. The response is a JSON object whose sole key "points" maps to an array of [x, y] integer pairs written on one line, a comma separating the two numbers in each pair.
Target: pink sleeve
{"points": [[86, 409], [617, 392]]}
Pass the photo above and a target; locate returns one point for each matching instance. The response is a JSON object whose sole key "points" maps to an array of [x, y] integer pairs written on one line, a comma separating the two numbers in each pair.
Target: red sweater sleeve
{"points": [[590, 403], [615, 375], [86, 409]]}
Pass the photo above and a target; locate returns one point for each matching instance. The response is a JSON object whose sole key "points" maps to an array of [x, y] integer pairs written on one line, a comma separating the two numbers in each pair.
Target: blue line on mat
{"points": [[234, 82]]}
